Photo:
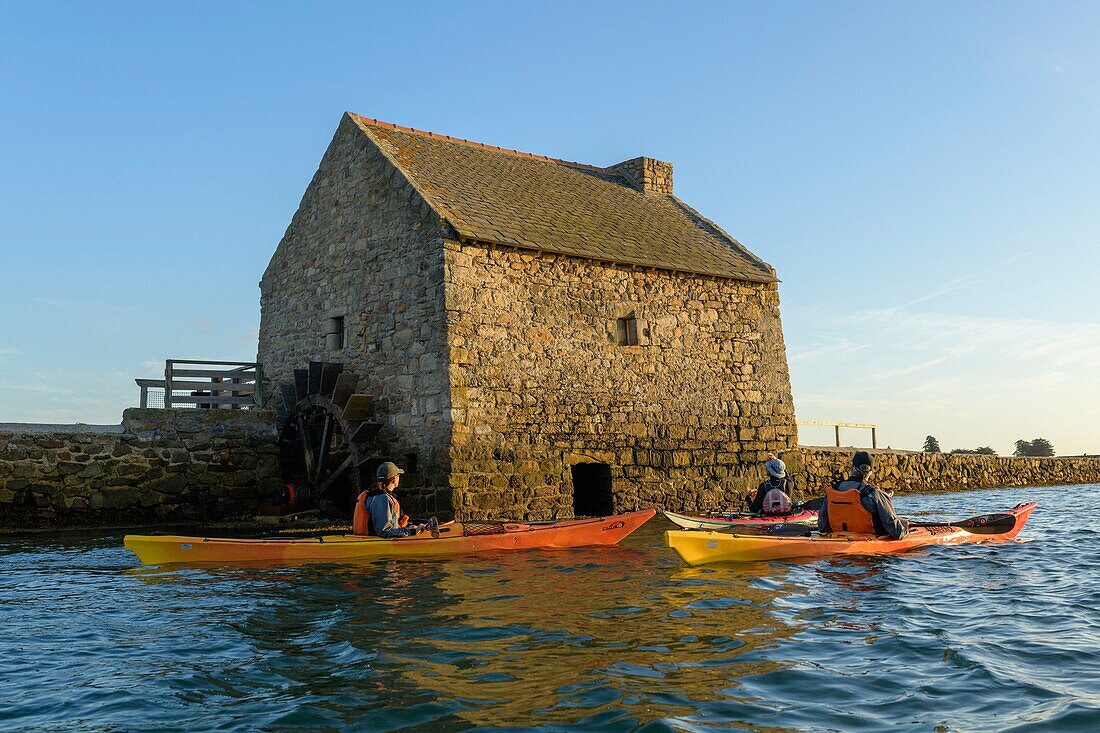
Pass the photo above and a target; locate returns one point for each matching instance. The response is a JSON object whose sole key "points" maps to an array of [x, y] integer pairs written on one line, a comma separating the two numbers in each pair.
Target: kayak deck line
{"points": [[687, 521], [701, 547], [445, 540]]}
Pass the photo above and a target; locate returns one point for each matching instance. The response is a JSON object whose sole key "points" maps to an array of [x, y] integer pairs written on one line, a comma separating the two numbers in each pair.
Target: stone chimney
{"points": [[647, 175]]}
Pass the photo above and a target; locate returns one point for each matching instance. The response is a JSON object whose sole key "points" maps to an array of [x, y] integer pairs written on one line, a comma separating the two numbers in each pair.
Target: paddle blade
{"points": [[813, 505]]}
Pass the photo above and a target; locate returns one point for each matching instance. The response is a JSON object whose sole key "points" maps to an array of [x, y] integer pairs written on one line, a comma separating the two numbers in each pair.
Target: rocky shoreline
{"points": [[911, 472], [205, 468]]}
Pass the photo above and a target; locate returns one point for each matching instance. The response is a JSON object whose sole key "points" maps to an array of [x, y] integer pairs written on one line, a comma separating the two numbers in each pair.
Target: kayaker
{"points": [[377, 511], [855, 505], [776, 494]]}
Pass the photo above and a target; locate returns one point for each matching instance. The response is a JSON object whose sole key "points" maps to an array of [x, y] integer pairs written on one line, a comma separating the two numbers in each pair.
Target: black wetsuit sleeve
{"points": [[823, 517], [883, 510], [756, 504]]}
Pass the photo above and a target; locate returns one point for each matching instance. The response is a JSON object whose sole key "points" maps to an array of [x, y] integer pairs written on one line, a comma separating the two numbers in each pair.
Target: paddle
{"points": [[810, 505], [983, 524]]}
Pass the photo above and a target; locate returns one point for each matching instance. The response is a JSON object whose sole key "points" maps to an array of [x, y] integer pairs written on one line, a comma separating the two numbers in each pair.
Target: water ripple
{"points": [[975, 638]]}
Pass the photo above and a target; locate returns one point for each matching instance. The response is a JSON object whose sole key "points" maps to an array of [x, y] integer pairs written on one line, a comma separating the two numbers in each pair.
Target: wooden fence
{"points": [[234, 385], [838, 425]]}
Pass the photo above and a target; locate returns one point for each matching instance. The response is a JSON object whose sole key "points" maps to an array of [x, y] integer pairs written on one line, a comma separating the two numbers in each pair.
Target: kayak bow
{"points": [[449, 539], [698, 548]]}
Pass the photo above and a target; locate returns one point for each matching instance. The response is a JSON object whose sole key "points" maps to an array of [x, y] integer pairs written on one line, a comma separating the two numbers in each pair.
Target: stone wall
{"points": [[539, 383], [164, 466], [911, 472], [160, 466], [365, 246]]}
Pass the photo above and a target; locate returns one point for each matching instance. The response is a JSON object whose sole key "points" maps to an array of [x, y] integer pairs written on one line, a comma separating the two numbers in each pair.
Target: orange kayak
{"points": [[698, 548], [448, 539]]}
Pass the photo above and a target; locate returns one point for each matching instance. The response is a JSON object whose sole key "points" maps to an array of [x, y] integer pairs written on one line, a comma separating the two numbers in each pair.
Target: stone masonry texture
{"points": [[538, 382], [911, 472], [169, 466], [498, 366], [164, 466], [364, 246], [646, 174]]}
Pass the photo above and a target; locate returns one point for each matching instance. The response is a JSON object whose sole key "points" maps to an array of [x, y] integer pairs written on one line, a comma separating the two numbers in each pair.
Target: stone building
{"points": [[542, 338]]}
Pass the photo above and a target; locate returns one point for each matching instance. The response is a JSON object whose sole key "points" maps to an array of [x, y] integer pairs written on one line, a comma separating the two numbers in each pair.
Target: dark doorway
{"points": [[592, 490]]}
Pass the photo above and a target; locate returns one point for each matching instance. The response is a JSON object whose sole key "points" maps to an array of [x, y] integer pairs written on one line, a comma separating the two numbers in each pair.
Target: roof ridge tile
{"points": [[473, 143]]}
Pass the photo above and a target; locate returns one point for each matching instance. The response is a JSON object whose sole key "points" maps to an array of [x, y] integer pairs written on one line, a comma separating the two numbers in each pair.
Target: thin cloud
{"points": [[1017, 257], [949, 287], [205, 325], [867, 405], [961, 282], [1057, 62], [62, 415], [40, 388], [816, 351], [1016, 339], [902, 371]]}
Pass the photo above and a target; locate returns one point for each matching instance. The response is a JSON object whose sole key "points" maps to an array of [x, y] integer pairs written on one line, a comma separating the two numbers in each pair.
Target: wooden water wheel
{"points": [[326, 437]]}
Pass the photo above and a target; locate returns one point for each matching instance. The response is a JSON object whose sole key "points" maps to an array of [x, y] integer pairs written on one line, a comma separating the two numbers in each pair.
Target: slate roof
{"points": [[517, 199]]}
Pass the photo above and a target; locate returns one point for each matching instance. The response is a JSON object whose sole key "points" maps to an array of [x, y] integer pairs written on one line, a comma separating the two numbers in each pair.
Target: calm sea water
{"points": [[976, 638]]}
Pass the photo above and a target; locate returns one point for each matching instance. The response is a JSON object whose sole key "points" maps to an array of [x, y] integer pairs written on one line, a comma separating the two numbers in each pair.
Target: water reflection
{"points": [[537, 638], [967, 638]]}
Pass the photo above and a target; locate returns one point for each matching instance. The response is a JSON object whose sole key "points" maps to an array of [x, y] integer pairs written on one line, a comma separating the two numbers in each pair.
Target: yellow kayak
{"points": [[447, 539], [698, 548]]}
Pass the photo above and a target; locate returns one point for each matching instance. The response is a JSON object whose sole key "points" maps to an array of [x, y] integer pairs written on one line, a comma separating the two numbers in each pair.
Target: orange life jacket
{"points": [[361, 522], [846, 513]]}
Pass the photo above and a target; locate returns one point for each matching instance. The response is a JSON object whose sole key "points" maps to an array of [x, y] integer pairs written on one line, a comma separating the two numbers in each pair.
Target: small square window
{"points": [[626, 331], [334, 333]]}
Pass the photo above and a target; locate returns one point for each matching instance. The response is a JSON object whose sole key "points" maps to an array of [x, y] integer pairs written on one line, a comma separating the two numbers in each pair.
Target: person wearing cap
{"points": [[774, 495], [855, 505], [377, 511]]}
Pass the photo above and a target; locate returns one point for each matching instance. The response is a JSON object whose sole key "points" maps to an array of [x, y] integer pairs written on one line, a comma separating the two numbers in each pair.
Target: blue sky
{"points": [[923, 177]]}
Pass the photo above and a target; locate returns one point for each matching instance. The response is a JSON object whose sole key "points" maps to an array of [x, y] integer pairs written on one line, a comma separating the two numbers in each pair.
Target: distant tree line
{"points": [[1038, 447]]}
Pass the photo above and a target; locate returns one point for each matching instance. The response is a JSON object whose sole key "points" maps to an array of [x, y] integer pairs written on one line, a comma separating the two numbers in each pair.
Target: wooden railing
{"points": [[148, 384], [234, 385], [838, 425]]}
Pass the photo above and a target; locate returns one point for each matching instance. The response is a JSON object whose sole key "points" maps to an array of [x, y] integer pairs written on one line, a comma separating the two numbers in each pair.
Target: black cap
{"points": [[863, 458]]}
